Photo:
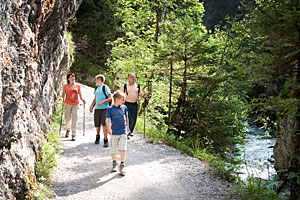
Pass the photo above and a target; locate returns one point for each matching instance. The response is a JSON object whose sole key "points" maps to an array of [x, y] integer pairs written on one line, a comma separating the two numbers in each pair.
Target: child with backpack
{"points": [[118, 116], [101, 102]]}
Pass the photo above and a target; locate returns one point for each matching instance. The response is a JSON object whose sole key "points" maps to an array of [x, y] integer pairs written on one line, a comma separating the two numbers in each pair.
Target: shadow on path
{"points": [[95, 180]]}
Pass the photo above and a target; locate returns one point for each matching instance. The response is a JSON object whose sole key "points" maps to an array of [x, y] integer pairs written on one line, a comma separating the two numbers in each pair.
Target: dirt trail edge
{"points": [[152, 171]]}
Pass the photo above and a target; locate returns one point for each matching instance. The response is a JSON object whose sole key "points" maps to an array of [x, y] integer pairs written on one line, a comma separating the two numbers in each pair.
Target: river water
{"points": [[256, 154]]}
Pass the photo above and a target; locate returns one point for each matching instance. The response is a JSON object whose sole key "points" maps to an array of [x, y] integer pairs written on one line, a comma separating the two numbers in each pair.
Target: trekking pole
{"points": [[62, 111], [145, 116], [83, 119]]}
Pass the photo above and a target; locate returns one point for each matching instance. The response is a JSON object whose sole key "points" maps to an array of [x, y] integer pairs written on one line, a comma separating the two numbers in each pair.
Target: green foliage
{"points": [[71, 43], [217, 12], [95, 24], [48, 158], [255, 189], [275, 54], [40, 189], [272, 60], [292, 175], [218, 79], [212, 103]]}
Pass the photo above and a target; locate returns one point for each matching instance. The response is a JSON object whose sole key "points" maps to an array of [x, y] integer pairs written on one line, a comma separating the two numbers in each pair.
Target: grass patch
{"points": [[47, 159], [256, 189]]}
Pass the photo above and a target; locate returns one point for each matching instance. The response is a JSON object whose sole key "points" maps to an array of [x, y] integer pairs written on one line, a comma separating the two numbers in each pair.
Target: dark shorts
{"points": [[99, 117]]}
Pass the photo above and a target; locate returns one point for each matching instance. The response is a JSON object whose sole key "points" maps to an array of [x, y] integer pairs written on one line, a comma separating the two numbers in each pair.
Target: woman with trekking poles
{"points": [[70, 94]]}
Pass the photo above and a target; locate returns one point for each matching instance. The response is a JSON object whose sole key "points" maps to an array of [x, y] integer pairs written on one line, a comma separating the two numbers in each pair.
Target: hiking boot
{"points": [[68, 132], [131, 134], [97, 139], [121, 169], [105, 142], [114, 168], [73, 138]]}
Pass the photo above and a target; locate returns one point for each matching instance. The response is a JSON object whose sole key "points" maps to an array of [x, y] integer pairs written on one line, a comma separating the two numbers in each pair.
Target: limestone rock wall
{"points": [[34, 54]]}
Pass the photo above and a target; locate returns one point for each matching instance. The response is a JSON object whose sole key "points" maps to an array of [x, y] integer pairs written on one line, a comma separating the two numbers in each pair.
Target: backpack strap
{"points": [[103, 90], [125, 88], [138, 86]]}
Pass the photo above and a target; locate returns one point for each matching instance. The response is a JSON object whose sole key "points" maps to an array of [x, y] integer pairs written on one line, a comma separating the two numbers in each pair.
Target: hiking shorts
{"points": [[99, 117], [118, 143]]}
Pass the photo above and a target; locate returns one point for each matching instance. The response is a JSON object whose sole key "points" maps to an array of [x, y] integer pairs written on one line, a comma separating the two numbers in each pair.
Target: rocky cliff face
{"points": [[34, 53]]}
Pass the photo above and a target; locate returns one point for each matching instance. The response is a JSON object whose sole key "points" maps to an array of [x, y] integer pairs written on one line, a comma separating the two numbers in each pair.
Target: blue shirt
{"points": [[100, 96], [118, 116]]}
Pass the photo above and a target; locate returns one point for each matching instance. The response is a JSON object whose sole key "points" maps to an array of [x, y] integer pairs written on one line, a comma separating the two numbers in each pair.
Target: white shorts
{"points": [[118, 143]]}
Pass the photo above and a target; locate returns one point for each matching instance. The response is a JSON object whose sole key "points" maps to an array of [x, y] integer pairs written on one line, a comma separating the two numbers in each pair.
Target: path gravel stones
{"points": [[152, 171]]}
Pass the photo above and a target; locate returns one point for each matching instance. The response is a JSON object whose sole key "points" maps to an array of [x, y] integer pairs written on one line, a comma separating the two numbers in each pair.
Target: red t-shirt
{"points": [[72, 94]]}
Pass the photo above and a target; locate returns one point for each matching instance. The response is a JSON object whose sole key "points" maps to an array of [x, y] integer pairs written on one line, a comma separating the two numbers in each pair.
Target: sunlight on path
{"points": [[152, 171]]}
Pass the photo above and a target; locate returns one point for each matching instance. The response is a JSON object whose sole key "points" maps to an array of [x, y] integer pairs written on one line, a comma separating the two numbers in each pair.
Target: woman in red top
{"points": [[71, 90]]}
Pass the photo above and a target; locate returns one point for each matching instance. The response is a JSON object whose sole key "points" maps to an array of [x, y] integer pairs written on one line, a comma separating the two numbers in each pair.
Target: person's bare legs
{"points": [[104, 131], [123, 156], [114, 159], [113, 156], [122, 165], [98, 130]]}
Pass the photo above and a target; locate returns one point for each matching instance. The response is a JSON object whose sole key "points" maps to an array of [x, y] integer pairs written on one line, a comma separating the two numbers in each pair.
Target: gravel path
{"points": [[152, 171]]}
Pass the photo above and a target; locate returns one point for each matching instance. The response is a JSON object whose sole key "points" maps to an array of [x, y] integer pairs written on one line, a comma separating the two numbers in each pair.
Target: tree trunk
{"points": [[182, 99], [170, 93], [149, 88], [158, 14], [295, 165], [184, 86]]}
